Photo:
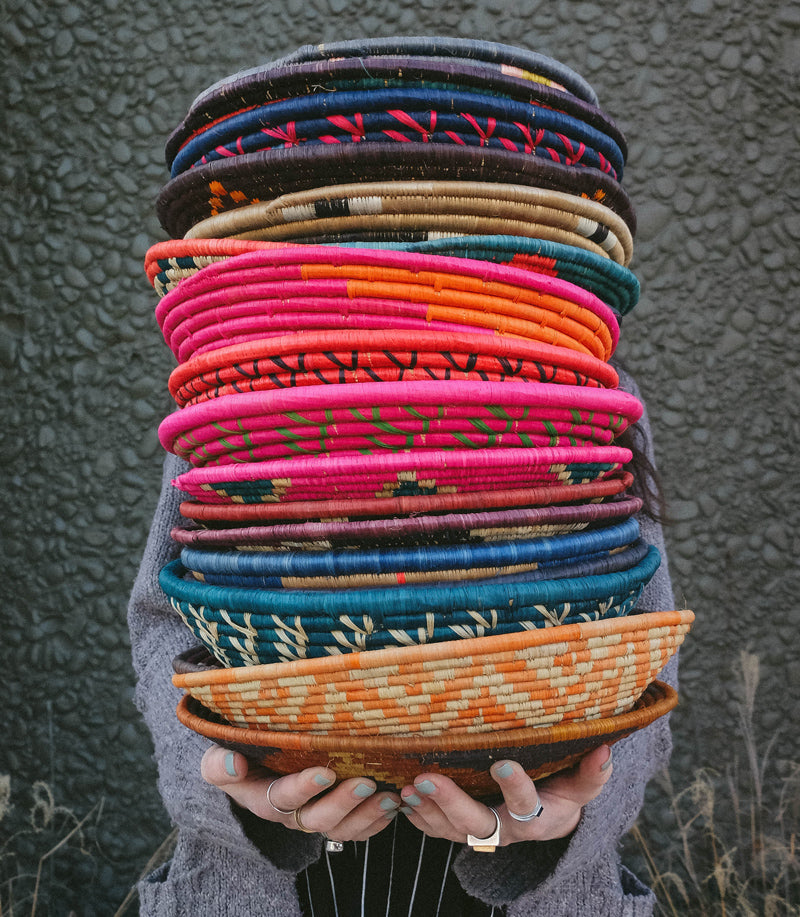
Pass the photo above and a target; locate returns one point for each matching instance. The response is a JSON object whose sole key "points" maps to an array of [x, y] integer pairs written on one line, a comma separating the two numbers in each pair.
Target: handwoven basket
{"points": [[280, 81], [447, 528], [337, 357], [394, 761], [304, 287], [399, 114], [243, 626], [214, 514], [427, 558], [404, 531], [236, 182], [532, 678], [374, 207], [168, 263], [376, 417]]}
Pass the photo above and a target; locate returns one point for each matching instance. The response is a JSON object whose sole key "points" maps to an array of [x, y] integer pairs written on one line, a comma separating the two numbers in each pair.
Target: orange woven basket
{"points": [[504, 682], [394, 761]]}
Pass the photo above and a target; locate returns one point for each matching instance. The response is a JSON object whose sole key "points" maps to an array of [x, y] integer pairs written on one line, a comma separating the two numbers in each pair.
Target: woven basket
{"points": [[533, 678], [231, 183], [376, 417], [489, 66], [402, 563], [394, 761], [402, 114], [342, 357], [168, 263], [485, 53], [405, 531], [243, 626], [303, 287], [271, 83], [350, 507], [597, 564], [445, 206]]}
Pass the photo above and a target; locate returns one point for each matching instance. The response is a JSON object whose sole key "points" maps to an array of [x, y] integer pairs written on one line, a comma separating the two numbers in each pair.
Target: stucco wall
{"points": [[707, 94]]}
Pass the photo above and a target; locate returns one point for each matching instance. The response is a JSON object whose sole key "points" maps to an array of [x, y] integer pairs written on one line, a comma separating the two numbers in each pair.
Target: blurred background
{"points": [[707, 94]]}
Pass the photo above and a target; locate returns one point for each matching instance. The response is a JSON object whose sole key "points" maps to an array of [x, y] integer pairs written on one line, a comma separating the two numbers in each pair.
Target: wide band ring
{"points": [[269, 800], [531, 815], [332, 846], [487, 844], [299, 822]]}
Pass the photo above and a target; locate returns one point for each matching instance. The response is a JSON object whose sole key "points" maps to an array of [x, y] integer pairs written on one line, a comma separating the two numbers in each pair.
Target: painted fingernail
{"points": [[230, 764], [505, 770], [363, 790], [388, 804], [426, 787], [321, 780], [412, 799], [406, 811], [607, 763], [390, 815]]}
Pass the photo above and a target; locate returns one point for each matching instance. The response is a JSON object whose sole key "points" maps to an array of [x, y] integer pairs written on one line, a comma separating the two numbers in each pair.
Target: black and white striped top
{"points": [[397, 873]]}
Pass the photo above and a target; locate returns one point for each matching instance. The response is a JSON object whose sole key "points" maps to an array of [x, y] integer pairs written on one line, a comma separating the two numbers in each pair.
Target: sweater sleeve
{"points": [[157, 636], [583, 875]]}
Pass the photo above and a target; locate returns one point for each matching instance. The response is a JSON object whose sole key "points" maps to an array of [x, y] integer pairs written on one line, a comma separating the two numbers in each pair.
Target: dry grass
{"points": [[29, 885], [735, 850], [49, 829]]}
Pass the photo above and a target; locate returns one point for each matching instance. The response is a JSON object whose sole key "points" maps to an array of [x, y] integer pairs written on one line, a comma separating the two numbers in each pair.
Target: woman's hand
{"points": [[436, 806], [350, 811]]}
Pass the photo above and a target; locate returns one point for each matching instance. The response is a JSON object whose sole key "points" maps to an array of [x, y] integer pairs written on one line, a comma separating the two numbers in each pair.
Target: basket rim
{"points": [[575, 635], [268, 82], [205, 190], [657, 699], [310, 112], [328, 605], [405, 526], [539, 495]]}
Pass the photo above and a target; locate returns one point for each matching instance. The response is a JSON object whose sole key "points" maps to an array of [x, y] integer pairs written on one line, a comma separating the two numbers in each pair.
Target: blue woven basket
{"points": [[298, 119], [243, 626], [420, 559], [588, 565]]}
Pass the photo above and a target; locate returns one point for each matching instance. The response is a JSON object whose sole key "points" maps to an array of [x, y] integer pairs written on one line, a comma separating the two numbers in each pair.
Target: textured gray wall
{"points": [[707, 93]]}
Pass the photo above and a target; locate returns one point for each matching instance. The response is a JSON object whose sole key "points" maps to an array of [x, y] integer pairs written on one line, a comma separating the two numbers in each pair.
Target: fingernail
{"points": [[321, 780], [406, 811], [607, 763], [388, 804], [390, 815], [363, 790], [230, 764], [412, 799], [505, 770], [426, 787]]}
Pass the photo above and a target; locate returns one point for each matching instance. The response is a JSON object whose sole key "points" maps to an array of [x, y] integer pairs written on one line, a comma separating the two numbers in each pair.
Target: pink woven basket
{"points": [[247, 295], [402, 415]]}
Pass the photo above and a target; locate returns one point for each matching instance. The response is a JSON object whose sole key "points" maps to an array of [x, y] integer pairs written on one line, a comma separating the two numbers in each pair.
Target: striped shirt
{"points": [[397, 873]]}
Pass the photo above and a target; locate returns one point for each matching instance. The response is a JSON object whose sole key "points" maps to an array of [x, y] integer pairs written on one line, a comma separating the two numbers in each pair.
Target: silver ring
{"points": [[333, 846], [531, 815], [487, 844], [269, 800]]}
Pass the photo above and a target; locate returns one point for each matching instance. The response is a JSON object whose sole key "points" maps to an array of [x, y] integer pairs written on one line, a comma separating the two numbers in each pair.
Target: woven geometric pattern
{"points": [[394, 761], [266, 625], [531, 678], [168, 263]]}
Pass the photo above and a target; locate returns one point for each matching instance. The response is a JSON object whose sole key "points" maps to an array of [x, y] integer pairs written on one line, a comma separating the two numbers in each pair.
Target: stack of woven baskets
{"points": [[396, 278]]}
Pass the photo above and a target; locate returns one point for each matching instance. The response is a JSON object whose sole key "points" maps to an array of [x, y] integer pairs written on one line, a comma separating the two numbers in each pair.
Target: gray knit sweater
{"points": [[217, 871]]}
